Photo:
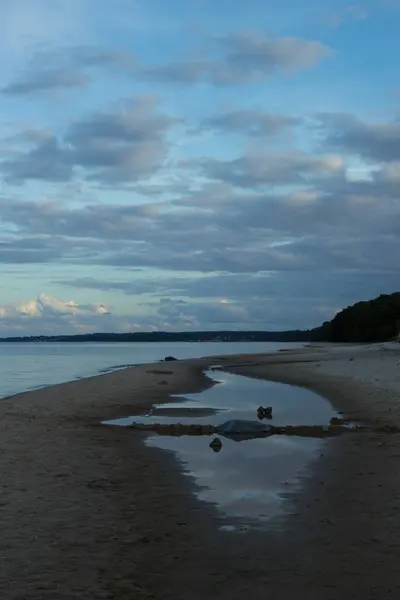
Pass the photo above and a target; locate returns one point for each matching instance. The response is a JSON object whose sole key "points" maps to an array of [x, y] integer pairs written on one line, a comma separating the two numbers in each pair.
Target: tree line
{"points": [[376, 320]]}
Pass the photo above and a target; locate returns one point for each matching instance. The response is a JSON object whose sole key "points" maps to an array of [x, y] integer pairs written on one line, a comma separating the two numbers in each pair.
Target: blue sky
{"points": [[196, 164]]}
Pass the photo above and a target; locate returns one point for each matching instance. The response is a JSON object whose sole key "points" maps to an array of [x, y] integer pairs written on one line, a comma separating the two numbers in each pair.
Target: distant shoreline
{"points": [[163, 336]]}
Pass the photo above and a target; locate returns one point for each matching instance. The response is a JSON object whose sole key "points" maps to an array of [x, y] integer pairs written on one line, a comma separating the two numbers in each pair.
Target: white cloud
{"points": [[45, 305], [48, 315]]}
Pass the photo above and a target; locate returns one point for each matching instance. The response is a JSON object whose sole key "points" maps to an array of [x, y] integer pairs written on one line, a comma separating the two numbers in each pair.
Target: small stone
{"points": [[216, 445]]}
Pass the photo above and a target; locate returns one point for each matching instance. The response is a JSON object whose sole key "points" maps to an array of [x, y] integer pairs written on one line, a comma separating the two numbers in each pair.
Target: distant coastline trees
{"points": [[376, 320]]}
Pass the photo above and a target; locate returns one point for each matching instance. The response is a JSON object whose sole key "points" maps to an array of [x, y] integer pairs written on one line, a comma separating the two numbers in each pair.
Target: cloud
{"points": [[91, 56], [245, 300], [44, 305], [246, 57], [389, 173], [377, 142], [47, 160], [258, 168], [351, 12], [333, 242], [66, 68], [211, 313], [48, 315], [329, 224], [121, 145], [28, 250], [46, 80], [251, 122]]}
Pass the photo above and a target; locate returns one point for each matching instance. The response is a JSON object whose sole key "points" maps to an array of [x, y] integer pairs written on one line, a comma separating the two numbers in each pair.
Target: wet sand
{"points": [[89, 512]]}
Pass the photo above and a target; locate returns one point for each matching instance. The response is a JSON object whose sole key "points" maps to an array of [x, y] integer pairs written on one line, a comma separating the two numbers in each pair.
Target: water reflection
{"points": [[246, 479]]}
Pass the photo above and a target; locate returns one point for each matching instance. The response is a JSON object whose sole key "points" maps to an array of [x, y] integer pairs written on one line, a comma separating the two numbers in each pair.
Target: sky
{"points": [[196, 164]]}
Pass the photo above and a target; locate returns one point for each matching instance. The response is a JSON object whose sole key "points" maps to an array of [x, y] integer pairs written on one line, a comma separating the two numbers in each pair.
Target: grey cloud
{"points": [[48, 160], [253, 49], [66, 68], [28, 249], [31, 135], [328, 226], [351, 12], [247, 57], [242, 287], [180, 72], [268, 298], [205, 314], [345, 286], [253, 122], [43, 81], [123, 145], [26, 252], [93, 57], [371, 141], [258, 169], [335, 225], [136, 287]]}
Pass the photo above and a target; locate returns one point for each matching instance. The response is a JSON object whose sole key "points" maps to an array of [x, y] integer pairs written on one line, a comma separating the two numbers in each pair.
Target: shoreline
{"points": [[41, 374], [91, 511]]}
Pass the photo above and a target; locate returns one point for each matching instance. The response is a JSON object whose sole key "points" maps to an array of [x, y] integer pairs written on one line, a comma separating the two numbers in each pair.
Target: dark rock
{"points": [[216, 445], [264, 412], [169, 358], [239, 430]]}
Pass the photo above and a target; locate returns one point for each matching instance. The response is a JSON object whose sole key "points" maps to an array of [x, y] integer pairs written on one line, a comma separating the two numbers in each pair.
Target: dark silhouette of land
{"points": [[166, 336]]}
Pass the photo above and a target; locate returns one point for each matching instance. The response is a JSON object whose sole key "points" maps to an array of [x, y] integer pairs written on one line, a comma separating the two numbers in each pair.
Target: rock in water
{"points": [[264, 412], [238, 429], [169, 358], [216, 444]]}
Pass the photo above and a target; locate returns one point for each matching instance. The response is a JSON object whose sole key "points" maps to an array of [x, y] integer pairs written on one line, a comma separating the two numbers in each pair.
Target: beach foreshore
{"points": [[88, 511]]}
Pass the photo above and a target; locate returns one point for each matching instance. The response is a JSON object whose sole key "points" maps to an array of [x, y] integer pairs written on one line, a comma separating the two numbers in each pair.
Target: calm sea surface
{"points": [[27, 366]]}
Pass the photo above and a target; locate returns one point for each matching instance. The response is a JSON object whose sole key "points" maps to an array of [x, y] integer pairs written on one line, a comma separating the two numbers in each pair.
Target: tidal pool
{"points": [[247, 480]]}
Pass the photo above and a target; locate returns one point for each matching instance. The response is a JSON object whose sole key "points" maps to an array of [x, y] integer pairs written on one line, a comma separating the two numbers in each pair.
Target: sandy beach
{"points": [[89, 511]]}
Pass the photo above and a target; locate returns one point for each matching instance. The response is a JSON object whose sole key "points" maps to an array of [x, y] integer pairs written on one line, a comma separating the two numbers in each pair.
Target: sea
{"points": [[27, 366]]}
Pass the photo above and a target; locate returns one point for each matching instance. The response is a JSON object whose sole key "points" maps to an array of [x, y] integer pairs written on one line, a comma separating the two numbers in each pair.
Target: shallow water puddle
{"points": [[247, 480]]}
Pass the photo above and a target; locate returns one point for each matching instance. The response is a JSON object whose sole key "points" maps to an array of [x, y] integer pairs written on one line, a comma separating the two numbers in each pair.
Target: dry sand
{"points": [[89, 512]]}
